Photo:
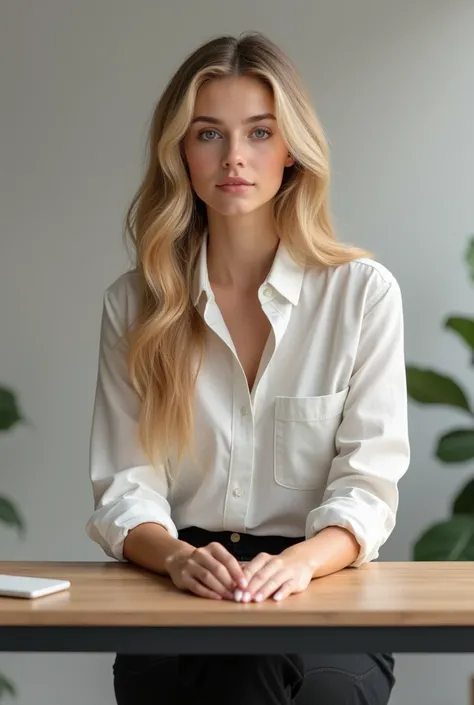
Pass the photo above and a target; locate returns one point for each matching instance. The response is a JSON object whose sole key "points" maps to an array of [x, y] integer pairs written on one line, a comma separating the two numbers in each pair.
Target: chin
{"points": [[234, 208]]}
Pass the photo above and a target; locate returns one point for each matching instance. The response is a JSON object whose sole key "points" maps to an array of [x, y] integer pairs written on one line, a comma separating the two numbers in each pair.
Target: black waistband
{"points": [[242, 545]]}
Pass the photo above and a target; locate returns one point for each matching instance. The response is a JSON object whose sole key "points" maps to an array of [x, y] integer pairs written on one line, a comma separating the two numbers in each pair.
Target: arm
{"points": [[132, 516], [128, 491], [332, 549], [373, 446], [152, 547]]}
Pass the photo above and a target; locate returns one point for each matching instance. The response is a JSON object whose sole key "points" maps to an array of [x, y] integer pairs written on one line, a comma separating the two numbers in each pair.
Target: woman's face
{"points": [[233, 134]]}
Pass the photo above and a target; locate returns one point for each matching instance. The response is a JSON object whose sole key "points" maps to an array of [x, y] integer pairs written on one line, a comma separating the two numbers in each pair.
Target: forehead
{"points": [[241, 95]]}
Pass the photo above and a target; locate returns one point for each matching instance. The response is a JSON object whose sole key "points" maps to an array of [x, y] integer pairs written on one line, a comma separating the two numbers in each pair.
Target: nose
{"points": [[232, 154]]}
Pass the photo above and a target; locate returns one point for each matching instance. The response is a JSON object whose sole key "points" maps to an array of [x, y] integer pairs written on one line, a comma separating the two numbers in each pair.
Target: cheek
{"points": [[200, 161], [272, 165], [194, 165]]}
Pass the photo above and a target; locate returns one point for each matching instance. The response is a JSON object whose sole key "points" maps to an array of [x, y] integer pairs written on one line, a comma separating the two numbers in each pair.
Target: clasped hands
{"points": [[212, 571]]}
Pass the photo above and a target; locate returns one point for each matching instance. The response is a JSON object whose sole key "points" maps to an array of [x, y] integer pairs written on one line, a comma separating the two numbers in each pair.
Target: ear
{"points": [[289, 160]]}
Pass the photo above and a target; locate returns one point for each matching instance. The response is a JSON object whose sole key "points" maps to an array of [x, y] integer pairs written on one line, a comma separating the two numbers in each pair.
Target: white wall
{"points": [[393, 84]]}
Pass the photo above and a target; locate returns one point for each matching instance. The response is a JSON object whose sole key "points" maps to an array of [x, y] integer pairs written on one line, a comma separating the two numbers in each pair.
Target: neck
{"points": [[240, 251]]}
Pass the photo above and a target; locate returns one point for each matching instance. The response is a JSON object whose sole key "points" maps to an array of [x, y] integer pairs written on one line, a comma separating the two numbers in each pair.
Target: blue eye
{"points": [[206, 132], [267, 133]]}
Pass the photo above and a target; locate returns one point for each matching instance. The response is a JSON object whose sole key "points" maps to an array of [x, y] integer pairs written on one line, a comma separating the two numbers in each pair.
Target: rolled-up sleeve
{"points": [[372, 443], [127, 490]]}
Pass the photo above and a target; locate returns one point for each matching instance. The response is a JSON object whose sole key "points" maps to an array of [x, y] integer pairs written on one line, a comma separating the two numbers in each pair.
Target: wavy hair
{"points": [[166, 222]]}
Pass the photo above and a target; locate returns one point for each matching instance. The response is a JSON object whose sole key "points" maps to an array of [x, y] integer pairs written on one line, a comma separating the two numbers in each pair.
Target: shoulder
{"points": [[374, 275], [365, 279], [367, 272], [122, 297], [356, 286]]}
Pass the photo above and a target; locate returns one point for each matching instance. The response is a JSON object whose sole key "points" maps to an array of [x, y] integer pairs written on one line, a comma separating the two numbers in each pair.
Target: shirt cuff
{"points": [[110, 525], [371, 531]]}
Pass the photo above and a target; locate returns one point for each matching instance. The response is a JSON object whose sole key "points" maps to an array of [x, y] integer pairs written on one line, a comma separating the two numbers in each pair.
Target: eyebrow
{"points": [[216, 121]]}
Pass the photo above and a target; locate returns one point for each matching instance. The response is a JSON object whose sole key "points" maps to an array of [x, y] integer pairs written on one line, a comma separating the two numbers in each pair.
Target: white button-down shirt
{"points": [[321, 440]]}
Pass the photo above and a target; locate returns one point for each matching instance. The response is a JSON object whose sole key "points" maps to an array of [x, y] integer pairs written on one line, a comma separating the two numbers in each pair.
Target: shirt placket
{"points": [[242, 454], [244, 409]]}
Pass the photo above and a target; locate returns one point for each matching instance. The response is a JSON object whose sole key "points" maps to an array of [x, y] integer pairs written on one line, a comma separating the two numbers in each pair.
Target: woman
{"points": [[249, 425]]}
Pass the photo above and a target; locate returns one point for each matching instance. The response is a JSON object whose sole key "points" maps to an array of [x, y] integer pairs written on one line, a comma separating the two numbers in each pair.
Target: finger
{"points": [[241, 593], [255, 565], [252, 573], [197, 588], [234, 569], [273, 585], [272, 566], [207, 575], [206, 560], [284, 591]]}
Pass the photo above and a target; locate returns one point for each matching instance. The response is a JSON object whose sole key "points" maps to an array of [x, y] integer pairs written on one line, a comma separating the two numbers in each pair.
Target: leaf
{"points": [[464, 502], [430, 387], [456, 446], [469, 257], [464, 327], [9, 514], [9, 412], [451, 540], [6, 687]]}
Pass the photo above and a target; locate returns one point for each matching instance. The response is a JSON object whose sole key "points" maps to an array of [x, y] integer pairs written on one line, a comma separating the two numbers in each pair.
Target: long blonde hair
{"points": [[166, 222]]}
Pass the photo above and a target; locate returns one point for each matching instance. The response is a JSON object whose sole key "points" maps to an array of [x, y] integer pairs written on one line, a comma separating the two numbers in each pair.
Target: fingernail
{"points": [[243, 583], [258, 597], [238, 595], [278, 596], [246, 597]]}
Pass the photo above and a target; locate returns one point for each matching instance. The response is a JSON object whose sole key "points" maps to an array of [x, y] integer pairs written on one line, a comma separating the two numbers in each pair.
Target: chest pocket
{"points": [[304, 439]]}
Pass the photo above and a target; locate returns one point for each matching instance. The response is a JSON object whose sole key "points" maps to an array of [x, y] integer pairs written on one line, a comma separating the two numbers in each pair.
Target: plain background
{"points": [[393, 83]]}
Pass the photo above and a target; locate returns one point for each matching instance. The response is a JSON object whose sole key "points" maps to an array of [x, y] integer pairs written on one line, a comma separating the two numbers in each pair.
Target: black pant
{"points": [[253, 679]]}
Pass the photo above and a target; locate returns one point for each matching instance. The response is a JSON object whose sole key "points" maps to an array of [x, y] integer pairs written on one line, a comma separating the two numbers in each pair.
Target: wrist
{"points": [[178, 553], [301, 553]]}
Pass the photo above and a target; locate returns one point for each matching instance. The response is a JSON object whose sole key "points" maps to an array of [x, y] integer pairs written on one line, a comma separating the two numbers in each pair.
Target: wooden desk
{"points": [[380, 607]]}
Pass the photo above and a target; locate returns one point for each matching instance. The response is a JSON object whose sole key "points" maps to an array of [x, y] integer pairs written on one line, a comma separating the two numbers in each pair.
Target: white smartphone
{"points": [[23, 586]]}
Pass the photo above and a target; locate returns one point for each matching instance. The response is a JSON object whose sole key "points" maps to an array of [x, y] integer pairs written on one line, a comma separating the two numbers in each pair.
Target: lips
{"points": [[235, 182]]}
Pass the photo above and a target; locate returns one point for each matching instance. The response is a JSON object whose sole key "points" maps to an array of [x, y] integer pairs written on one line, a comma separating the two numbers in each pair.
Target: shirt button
{"points": [[244, 410], [238, 492], [235, 538], [267, 291]]}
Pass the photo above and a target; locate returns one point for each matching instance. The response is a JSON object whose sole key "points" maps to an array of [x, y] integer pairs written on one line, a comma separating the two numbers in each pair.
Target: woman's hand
{"points": [[279, 576], [210, 571]]}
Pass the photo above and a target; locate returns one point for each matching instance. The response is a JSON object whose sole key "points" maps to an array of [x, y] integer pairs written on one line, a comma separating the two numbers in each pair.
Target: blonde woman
{"points": [[250, 423]]}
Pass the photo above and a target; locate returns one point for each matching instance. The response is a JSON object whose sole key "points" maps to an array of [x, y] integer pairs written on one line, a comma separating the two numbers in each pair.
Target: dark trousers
{"points": [[252, 679]]}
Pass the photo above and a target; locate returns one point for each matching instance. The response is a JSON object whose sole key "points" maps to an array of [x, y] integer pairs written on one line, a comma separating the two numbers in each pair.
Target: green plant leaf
{"points": [[9, 514], [469, 256], [464, 327], [9, 412], [456, 446], [451, 540], [430, 387], [6, 687], [464, 502]]}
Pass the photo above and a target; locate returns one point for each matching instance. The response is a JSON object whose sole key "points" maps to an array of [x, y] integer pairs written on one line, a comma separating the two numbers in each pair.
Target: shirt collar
{"points": [[285, 276], [201, 278]]}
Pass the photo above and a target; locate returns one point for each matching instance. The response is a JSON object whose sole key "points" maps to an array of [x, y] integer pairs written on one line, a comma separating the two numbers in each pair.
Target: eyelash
{"points": [[257, 129]]}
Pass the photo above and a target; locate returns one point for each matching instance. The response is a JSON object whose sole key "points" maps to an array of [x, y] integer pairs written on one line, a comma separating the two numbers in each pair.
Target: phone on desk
{"points": [[30, 587]]}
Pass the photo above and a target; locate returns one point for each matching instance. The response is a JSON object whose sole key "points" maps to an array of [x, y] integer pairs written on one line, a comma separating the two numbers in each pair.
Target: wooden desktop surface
{"points": [[121, 594]]}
